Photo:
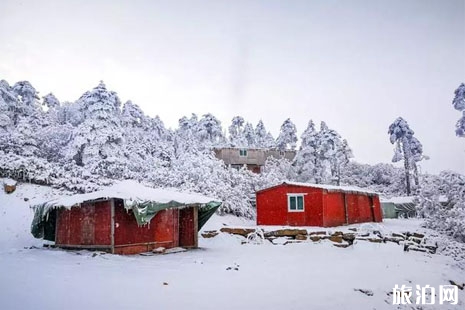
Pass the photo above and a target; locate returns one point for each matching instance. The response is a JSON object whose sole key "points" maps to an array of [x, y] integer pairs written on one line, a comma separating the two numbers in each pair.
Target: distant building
{"points": [[253, 159]]}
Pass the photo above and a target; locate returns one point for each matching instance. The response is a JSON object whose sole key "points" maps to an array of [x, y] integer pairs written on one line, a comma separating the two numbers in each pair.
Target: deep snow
{"points": [[294, 276]]}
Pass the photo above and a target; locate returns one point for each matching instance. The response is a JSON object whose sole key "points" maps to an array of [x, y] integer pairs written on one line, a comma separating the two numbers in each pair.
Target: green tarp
{"points": [[145, 211]]}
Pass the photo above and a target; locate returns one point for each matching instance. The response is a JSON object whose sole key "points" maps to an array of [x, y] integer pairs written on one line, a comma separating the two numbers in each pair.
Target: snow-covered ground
{"points": [[222, 274]]}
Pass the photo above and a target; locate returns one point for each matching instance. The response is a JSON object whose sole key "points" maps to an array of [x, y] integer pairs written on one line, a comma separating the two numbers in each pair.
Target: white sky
{"points": [[355, 64]]}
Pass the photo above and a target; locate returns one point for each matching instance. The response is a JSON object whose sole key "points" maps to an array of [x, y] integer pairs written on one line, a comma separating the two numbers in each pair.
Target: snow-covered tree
{"points": [[401, 135], [209, 131], [264, 139], [459, 104], [98, 139], [249, 136], [306, 159], [341, 159], [442, 203], [331, 155], [236, 132], [287, 138], [50, 101]]}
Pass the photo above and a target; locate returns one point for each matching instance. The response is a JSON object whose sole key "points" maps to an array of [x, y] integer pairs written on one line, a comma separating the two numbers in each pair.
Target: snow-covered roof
{"points": [[333, 188], [400, 199], [130, 190]]}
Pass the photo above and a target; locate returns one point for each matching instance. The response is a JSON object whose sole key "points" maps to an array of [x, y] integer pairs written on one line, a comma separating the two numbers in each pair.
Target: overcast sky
{"points": [[357, 65]]}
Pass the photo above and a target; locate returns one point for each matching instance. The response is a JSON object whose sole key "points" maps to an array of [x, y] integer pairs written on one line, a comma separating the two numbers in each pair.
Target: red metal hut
{"points": [[304, 204], [127, 218]]}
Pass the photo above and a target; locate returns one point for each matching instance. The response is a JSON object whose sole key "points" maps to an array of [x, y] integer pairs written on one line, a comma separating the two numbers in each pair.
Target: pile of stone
{"points": [[410, 241]]}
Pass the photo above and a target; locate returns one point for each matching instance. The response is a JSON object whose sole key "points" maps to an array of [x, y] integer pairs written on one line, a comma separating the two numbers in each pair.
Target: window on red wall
{"points": [[295, 202]]}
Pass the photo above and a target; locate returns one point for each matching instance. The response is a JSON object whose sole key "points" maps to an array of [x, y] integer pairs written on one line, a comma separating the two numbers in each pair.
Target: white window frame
{"points": [[243, 151], [296, 201]]}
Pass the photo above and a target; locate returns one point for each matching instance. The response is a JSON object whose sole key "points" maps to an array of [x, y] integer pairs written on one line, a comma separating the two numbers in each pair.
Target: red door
{"points": [[188, 227]]}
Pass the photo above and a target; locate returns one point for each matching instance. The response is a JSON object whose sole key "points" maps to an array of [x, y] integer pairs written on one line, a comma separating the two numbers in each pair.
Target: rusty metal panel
{"points": [[188, 227], [166, 226], [85, 225]]}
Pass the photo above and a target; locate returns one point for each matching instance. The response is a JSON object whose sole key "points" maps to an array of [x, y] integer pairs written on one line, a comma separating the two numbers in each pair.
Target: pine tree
{"points": [[306, 160], [209, 131], [98, 139], [287, 138], [249, 136], [264, 139], [459, 104], [236, 132], [401, 135]]}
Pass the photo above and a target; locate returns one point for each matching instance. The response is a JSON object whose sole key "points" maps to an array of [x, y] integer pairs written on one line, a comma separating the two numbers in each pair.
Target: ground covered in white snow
{"points": [[222, 274]]}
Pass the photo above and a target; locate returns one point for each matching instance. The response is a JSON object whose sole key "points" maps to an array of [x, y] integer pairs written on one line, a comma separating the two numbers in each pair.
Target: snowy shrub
{"points": [[442, 203]]}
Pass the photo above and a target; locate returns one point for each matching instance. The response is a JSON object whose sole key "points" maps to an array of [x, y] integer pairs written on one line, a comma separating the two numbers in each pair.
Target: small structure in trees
{"points": [[305, 204], [399, 207], [252, 158], [126, 218]]}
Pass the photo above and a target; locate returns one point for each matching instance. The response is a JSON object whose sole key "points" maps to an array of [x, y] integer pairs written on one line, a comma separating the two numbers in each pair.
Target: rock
{"points": [[165, 283], [159, 250], [392, 239], [337, 233], [289, 232], [317, 233], [337, 238], [432, 248], [341, 245], [364, 235], [461, 287], [301, 237], [398, 235], [414, 239], [315, 238], [9, 188], [417, 235], [418, 249], [353, 229], [26, 199], [237, 231], [348, 236], [375, 240], [364, 291], [209, 234]]}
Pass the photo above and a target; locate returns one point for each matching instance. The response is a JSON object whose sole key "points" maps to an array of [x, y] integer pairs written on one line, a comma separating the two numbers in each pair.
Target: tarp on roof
{"points": [[144, 201]]}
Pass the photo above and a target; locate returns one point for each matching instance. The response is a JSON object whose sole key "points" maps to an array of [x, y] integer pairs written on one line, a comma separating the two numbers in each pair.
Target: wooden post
{"points": [[196, 226], [112, 228]]}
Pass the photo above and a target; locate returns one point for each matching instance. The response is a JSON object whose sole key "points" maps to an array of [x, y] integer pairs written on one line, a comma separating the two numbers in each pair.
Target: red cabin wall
{"points": [[272, 207], [88, 225], [130, 238], [334, 209], [378, 214], [321, 208]]}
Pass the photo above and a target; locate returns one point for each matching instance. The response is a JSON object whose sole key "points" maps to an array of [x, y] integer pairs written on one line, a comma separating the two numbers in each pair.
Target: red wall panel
{"points": [[188, 227], [334, 209], [272, 207], [88, 224]]}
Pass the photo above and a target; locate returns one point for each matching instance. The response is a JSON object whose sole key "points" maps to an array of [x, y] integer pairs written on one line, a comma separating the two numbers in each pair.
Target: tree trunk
{"points": [[415, 175], [406, 151]]}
